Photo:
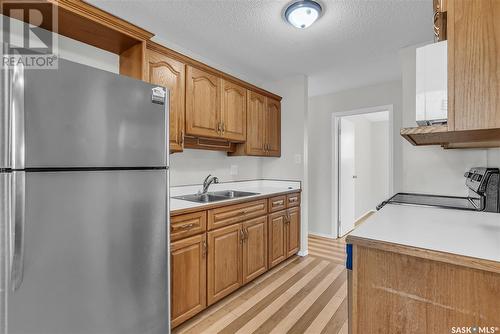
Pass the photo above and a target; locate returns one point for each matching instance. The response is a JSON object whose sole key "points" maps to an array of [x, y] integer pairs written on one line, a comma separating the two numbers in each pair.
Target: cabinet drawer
{"points": [[293, 200], [231, 214], [277, 203], [189, 224]]}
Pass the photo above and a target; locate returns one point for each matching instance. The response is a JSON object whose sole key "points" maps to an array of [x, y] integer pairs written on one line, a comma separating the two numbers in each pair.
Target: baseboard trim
{"points": [[323, 235], [303, 253]]}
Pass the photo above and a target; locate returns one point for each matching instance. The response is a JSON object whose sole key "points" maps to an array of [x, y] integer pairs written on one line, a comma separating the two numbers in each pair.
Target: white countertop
{"points": [[466, 233], [262, 187]]}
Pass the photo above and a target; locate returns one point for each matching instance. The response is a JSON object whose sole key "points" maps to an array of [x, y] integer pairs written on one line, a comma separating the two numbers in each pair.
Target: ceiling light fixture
{"points": [[301, 14]]}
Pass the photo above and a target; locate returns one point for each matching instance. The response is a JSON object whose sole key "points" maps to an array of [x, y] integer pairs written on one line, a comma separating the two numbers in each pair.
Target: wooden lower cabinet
{"points": [[188, 278], [238, 247], [292, 233], [254, 248], [284, 235], [224, 262], [277, 238]]}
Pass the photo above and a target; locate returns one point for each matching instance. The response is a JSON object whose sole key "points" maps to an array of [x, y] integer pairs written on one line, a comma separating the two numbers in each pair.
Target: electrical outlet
{"points": [[233, 170], [298, 159]]}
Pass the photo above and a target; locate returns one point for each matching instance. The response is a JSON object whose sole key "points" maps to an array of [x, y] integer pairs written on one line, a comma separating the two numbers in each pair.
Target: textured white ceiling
{"points": [[355, 43]]}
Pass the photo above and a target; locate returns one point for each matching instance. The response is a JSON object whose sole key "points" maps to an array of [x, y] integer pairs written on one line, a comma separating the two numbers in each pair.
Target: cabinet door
{"points": [[188, 278], [254, 248], [170, 73], [202, 103], [473, 64], [256, 120], [273, 128], [277, 239], [234, 112], [224, 261], [293, 232]]}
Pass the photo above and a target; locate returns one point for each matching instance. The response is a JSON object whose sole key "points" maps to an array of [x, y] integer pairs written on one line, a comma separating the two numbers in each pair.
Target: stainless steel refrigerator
{"points": [[84, 202]]}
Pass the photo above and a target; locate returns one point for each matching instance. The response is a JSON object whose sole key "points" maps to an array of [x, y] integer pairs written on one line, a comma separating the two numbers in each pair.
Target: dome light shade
{"points": [[301, 14]]}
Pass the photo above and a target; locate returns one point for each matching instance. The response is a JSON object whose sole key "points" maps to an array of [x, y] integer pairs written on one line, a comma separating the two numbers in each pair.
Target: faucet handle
{"points": [[206, 179]]}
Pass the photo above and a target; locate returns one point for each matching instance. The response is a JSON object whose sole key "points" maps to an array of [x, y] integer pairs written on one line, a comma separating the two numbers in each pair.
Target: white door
{"points": [[347, 176]]}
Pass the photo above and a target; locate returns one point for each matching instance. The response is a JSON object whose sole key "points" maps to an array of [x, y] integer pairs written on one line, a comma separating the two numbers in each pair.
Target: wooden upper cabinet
{"points": [[233, 112], [202, 103], [188, 278], [170, 73], [256, 120], [473, 64], [254, 248], [273, 128]]}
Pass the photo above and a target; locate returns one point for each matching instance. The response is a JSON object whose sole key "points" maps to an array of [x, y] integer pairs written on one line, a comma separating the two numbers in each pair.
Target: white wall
{"points": [[293, 163], [432, 169], [379, 163], [192, 166], [321, 109]]}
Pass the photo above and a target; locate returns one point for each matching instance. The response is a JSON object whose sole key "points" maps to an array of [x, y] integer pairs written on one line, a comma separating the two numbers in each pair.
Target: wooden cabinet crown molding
{"points": [[195, 63], [93, 13], [83, 22]]}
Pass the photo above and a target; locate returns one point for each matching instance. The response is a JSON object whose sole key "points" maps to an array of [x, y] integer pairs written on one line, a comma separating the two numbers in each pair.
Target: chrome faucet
{"points": [[208, 181]]}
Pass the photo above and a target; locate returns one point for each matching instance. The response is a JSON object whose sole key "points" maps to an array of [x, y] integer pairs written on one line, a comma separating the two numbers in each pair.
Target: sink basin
{"points": [[233, 193], [215, 196]]}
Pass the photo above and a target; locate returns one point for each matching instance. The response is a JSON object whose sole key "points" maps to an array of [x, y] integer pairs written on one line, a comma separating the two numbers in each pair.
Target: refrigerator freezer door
{"points": [[95, 254], [79, 116]]}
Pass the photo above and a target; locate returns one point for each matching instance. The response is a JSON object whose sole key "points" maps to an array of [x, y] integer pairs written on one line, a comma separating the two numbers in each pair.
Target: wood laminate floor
{"points": [[301, 295]]}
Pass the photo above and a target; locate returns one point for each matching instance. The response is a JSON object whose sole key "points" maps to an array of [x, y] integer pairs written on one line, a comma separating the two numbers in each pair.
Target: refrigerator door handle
{"points": [[18, 215], [17, 115]]}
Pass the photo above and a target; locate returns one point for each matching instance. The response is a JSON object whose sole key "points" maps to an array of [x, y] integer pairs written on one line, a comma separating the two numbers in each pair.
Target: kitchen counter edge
{"points": [[203, 207], [460, 260]]}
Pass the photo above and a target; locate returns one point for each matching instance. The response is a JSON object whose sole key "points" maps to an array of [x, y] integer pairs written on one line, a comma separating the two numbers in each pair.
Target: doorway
{"points": [[363, 164]]}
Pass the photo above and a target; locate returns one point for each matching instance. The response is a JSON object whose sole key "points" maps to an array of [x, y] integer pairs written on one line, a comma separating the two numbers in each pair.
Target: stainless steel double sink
{"points": [[215, 196]]}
